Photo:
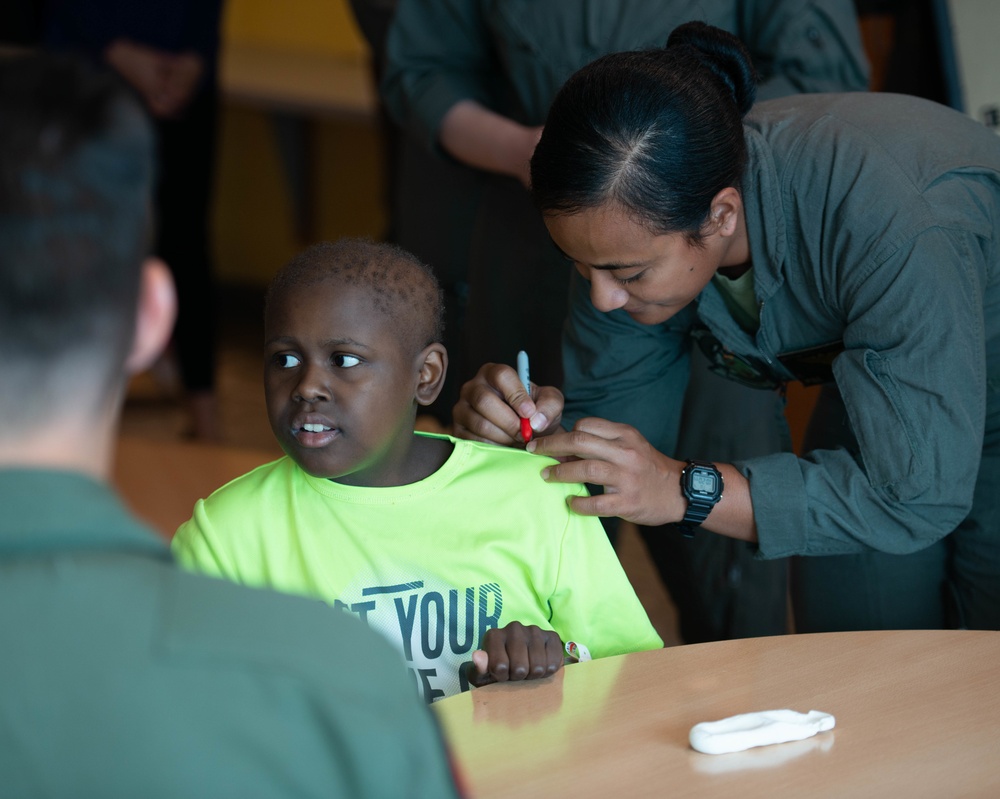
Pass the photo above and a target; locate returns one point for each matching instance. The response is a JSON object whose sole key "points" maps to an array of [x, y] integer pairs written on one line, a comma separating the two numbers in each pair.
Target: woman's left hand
{"points": [[641, 485]]}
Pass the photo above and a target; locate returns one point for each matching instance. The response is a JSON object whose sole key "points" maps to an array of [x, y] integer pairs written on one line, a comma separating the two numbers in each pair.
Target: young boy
{"points": [[442, 545]]}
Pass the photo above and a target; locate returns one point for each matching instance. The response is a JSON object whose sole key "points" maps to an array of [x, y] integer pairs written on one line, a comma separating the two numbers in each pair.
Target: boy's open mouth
{"points": [[315, 434]]}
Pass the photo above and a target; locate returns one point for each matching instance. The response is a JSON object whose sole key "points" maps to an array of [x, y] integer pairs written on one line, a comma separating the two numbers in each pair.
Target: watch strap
{"points": [[695, 514], [697, 511]]}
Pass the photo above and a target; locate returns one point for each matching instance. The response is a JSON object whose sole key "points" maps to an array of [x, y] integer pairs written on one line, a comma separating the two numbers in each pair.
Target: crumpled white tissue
{"points": [[736, 733]]}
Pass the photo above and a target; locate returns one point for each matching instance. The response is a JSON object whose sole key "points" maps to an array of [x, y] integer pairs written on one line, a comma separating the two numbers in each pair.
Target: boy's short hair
{"points": [[401, 286], [76, 173]]}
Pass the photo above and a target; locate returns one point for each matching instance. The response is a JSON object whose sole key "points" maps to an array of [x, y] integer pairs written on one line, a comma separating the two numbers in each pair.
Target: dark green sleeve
{"points": [[909, 479], [437, 54], [801, 46], [620, 370]]}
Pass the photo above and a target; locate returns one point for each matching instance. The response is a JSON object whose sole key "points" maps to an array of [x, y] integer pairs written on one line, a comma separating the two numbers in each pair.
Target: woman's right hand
{"points": [[491, 404]]}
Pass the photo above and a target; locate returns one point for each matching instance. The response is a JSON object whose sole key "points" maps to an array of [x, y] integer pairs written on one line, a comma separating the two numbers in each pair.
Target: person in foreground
{"points": [[848, 239], [454, 550], [123, 675]]}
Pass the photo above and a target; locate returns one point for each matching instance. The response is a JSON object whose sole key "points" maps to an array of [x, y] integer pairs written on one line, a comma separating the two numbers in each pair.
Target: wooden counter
{"points": [[918, 714]]}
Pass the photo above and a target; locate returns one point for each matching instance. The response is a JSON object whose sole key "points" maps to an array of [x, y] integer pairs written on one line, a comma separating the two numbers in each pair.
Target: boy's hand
{"points": [[516, 652]]}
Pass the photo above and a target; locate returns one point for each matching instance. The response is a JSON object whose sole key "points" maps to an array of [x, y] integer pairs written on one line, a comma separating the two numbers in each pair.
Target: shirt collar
{"points": [[45, 511]]}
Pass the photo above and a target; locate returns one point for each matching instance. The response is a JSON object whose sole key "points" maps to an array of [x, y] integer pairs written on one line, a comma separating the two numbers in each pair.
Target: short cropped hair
{"points": [[76, 172], [401, 286]]}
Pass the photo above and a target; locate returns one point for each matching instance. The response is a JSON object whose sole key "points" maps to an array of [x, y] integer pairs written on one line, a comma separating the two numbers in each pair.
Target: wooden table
{"points": [[161, 480], [918, 715]]}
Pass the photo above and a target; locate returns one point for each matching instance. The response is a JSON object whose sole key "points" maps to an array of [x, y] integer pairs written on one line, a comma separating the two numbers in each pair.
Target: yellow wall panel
{"points": [[324, 26], [255, 227], [252, 226], [349, 199]]}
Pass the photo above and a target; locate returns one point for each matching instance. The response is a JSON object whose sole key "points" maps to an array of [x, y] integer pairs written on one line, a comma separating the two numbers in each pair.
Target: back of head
{"points": [[400, 286], [76, 160], [657, 132]]}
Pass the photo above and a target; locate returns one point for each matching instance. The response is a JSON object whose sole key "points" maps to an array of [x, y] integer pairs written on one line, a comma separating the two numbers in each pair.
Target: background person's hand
{"points": [[491, 403], [145, 68], [184, 73], [641, 485], [165, 81], [516, 652]]}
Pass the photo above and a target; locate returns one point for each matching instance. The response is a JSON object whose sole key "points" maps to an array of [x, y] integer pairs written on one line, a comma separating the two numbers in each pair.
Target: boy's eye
{"points": [[346, 361], [286, 361]]}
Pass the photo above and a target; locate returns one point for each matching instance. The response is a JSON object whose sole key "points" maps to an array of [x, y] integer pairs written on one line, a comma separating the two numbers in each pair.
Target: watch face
{"points": [[703, 482]]}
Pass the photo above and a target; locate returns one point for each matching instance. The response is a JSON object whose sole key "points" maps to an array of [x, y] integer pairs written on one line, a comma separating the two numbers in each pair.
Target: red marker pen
{"points": [[522, 373]]}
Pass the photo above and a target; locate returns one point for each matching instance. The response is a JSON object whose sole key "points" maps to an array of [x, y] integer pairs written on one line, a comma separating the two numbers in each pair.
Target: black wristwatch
{"points": [[701, 484]]}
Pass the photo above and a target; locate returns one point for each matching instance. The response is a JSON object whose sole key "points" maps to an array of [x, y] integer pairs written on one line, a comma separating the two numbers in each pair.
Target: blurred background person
{"points": [[168, 52], [425, 195]]}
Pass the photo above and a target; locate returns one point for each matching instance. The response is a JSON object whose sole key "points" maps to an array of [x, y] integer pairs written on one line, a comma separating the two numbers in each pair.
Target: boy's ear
{"points": [[433, 362]]}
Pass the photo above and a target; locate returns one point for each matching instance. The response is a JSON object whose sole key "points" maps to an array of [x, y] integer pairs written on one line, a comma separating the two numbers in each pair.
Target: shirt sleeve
{"points": [[594, 603], [437, 54], [394, 741], [913, 381], [195, 547], [619, 370], [803, 47]]}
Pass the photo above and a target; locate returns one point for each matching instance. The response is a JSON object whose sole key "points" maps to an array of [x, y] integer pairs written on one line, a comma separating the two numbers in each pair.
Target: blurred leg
{"points": [[187, 149], [720, 588], [872, 590]]}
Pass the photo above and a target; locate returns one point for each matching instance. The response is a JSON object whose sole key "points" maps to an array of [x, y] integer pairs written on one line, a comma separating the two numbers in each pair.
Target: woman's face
{"points": [[650, 276]]}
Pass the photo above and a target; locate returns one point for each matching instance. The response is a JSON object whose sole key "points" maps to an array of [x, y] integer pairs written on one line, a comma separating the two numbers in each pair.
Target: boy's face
{"points": [[339, 383]]}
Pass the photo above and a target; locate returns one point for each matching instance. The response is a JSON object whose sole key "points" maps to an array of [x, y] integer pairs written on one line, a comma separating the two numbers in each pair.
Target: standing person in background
{"points": [[849, 238], [473, 80], [425, 194], [168, 51], [121, 675]]}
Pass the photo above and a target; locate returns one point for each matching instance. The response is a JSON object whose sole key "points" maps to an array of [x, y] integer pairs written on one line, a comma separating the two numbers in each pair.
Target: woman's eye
{"points": [[624, 281], [286, 361], [346, 361]]}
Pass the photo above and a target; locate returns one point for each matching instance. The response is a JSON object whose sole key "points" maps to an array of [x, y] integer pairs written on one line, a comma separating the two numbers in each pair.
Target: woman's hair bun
{"points": [[724, 54]]}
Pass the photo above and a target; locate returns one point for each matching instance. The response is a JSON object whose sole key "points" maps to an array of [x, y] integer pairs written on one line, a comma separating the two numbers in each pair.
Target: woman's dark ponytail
{"points": [[725, 55]]}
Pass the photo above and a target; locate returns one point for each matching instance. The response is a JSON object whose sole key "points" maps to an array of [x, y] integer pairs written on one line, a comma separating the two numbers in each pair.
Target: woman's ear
{"points": [[724, 213], [154, 319], [433, 364]]}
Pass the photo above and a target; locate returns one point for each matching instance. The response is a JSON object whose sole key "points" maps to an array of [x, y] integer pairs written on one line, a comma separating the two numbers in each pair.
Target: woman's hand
{"points": [[490, 406], [641, 484]]}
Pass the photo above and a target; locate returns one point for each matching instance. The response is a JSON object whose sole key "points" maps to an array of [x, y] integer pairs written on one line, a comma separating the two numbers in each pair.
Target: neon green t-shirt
{"points": [[432, 565]]}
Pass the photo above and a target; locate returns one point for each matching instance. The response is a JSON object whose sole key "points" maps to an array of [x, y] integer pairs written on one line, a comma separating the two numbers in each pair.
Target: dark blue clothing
{"points": [[173, 25], [186, 149]]}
